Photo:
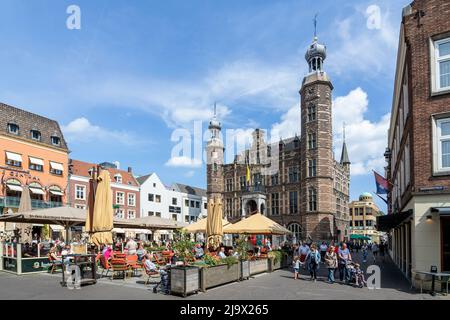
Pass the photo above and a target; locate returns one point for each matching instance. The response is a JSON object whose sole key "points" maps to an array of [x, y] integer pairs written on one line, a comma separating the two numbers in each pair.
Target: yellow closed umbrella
{"points": [[214, 224], [101, 225], [26, 229]]}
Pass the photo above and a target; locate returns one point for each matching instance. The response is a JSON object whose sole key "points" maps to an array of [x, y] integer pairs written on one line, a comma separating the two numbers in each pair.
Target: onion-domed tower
{"points": [[317, 205]]}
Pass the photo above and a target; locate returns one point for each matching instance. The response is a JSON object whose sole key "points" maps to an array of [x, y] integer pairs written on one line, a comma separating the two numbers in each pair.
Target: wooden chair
{"points": [[151, 274], [158, 261], [55, 263], [105, 266], [133, 263], [119, 255], [119, 266]]}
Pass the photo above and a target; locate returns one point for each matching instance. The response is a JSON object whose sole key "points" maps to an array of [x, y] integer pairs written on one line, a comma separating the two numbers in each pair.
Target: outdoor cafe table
{"points": [[81, 261], [433, 278]]}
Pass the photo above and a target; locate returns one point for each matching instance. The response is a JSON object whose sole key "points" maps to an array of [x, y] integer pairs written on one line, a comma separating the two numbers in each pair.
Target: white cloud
{"points": [[82, 130], [366, 140], [358, 48], [289, 125], [183, 162]]}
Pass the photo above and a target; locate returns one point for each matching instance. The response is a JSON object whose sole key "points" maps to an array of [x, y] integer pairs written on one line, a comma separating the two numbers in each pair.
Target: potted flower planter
{"points": [[273, 265], [184, 280], [217, 275], [258, 266]]}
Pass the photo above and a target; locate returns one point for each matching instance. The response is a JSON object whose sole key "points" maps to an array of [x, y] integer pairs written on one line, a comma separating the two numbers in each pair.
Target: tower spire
{"points": [[344, 155]]}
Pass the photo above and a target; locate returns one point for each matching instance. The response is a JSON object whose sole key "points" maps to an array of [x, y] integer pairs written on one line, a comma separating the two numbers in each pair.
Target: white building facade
{"points": [[179, 202]]}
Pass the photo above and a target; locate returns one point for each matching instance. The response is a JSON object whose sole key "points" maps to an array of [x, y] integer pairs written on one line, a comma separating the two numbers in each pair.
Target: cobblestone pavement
{"points": [[278, 285]]}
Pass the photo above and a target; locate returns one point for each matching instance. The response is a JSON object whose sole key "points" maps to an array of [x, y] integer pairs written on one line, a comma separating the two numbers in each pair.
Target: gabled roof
{"points": [[190, 190], [28, 121], [141, 180], [81, 168]]}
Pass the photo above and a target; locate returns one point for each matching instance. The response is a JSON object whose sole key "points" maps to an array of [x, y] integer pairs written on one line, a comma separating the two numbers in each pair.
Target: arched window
{"points": [[296, 230]]}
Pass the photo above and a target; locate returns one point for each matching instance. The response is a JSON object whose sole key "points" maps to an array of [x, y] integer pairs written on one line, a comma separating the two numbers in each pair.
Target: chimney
{"points": [[130, 170]]}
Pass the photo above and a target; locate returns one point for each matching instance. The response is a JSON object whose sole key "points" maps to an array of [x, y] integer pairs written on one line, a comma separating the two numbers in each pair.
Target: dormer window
{"points": [[13, 128], [118, 178], [35, 135], [56, 141]]}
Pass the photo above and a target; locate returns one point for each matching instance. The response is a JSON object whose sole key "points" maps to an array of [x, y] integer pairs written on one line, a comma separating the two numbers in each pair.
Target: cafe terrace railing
{"points": [[14, 202]]}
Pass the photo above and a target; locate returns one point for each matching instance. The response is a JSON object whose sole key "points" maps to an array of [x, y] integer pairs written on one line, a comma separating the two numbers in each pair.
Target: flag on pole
{"points": [[382, 184], [248, 174], [382, 198]]}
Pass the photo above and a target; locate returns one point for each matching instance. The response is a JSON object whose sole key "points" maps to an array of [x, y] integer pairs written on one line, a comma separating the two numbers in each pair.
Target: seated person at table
{"points": [[107, 253], [231, 253], [66, 251], [199, 253], [53, 255], [221, 253], [149, 264], [141, 252], [131, 246]]}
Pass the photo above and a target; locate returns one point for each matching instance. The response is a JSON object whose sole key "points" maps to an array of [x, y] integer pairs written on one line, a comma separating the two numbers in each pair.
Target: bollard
{"points": [[1, 256], [19, 258]]}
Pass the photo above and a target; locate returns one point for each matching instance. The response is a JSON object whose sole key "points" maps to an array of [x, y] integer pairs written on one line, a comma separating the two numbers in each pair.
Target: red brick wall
{"points": [[436, 21]]}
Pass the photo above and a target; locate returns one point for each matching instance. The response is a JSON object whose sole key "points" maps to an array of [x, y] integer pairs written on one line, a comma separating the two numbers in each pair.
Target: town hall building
{"points": [[296, 182]]}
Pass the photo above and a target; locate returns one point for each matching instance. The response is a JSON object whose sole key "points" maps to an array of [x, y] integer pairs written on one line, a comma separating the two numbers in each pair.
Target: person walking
{"points": [[303, 252], [364, 249], [375, 249], [313, 261], [331, 263], [296, 264], [382, 249], [323, 250], [344, 258]]}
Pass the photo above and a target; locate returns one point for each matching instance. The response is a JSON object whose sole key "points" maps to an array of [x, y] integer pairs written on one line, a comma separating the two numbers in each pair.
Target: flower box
{"points": [[217, 275], [184, 280], [258, 266]]}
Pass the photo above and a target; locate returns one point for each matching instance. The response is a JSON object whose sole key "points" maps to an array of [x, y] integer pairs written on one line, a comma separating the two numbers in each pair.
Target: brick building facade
{"points": [[125, 188], [33, 154], [296, 182], [418, 152]]}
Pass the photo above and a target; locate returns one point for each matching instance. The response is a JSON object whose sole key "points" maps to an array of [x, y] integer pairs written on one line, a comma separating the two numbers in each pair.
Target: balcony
{"points": [[14, 202]]}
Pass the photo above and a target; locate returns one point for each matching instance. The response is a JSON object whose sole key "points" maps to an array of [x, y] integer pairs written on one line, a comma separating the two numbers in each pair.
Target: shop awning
{"points": [[359, 237], [56, 166], [13, 156], [391, 221], [36, 161], [14, 187], [37, 191], [56, 193], [118, 230], [442, 211]]}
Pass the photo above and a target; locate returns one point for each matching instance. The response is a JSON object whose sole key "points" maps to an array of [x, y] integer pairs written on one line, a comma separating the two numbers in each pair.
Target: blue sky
{"points": [[138, 70]]}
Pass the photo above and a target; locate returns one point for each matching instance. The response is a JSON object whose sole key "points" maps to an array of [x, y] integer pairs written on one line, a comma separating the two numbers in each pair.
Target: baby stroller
{"points": [[356, 274], [164, 284]]}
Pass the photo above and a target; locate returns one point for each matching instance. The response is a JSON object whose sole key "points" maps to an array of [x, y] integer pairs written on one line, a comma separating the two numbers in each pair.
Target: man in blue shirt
{"points": [[344, 258]]}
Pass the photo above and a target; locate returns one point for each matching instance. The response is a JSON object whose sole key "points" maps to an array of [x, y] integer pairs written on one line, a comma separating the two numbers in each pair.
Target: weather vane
{"points": [[315, 25]]}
